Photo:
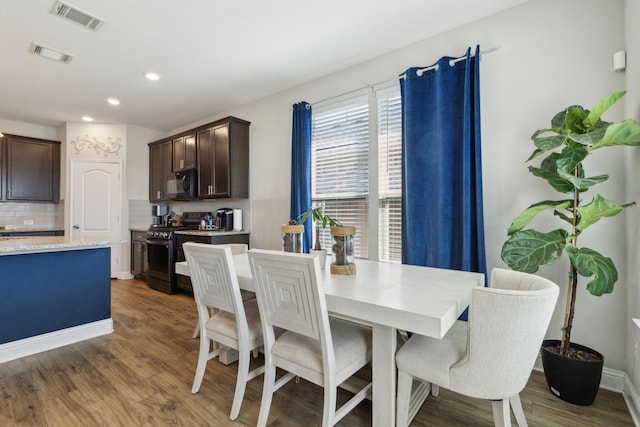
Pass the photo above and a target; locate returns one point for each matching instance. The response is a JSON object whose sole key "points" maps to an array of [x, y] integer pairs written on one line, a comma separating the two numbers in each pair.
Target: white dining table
{"points": [[389, 297]]}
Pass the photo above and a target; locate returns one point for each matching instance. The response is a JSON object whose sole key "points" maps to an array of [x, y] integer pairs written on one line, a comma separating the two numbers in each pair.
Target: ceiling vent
{"points": [[47, 52], [76, 15]]}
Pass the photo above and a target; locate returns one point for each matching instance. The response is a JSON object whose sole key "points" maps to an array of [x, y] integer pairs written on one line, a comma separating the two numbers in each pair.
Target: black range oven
{"points": [[162, 253]]}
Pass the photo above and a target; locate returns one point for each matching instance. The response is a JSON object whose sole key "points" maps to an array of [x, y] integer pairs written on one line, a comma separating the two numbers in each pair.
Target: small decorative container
{"points": [[342, 257], [292, 238]]}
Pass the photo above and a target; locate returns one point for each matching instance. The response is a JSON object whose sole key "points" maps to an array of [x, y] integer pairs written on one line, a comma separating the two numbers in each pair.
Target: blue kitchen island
{"points": [[55, 291]]}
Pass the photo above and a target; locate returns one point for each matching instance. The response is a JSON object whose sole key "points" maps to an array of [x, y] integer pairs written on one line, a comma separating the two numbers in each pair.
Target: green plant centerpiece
{"points": [[321, 220], [575, 133]]}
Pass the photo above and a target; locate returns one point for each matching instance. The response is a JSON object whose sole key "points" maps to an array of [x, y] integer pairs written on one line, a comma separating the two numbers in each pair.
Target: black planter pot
{"points": [[574, 381]]}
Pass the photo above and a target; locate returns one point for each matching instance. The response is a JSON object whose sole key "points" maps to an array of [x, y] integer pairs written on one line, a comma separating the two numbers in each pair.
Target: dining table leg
{"points": [[384, 376]]}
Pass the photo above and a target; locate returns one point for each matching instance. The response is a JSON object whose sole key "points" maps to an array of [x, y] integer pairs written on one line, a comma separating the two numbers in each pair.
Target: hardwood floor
{"points": [[141, 375]]}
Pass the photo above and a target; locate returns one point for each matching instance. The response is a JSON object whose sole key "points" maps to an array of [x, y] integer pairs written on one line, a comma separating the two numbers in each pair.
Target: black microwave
{"points": [[183, 185]]}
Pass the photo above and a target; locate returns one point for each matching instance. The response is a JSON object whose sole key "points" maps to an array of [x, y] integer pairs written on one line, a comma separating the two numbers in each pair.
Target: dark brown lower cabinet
{"points": [[184, 282]]}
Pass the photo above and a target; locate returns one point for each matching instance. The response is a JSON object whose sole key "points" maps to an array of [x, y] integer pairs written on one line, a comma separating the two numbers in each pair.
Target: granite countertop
{"points": [[139, 228], [209, 232], [36, 244]]}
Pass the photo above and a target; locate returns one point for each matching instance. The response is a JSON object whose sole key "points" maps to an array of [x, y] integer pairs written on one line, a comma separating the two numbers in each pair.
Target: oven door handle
{"points": [[158, 242]]}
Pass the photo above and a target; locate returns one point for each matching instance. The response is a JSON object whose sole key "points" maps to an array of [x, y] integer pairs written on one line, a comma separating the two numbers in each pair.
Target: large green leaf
{"points": [[626, 132], [547, 143], [582, 184], [527, 250], [589, 139], [601, 106], [528, 214], [589, 263], [574, 117], [598, 209], [570, 157], [548, 171]]}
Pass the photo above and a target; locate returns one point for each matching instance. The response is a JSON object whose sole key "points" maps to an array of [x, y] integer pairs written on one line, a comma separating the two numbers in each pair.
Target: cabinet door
{"points": [[184, 152], [32, 170], [213, 162], [221, 161], [159, 170]]}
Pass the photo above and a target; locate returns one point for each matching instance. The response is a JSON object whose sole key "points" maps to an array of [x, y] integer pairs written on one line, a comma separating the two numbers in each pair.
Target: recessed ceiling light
{"points": [[113, 101], [152, 76], [87, 118]]}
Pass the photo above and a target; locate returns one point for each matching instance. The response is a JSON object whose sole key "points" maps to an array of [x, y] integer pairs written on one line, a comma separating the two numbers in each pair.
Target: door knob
{"points": [[76, 227]]}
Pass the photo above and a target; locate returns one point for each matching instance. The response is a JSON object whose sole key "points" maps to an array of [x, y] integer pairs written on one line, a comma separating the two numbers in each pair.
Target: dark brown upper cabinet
{"points": [[184, 152], [223, 159], [30, 169], [218, 150], [160, 168]]}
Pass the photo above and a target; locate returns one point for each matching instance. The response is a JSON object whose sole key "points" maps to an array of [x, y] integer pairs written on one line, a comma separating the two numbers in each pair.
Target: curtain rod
{"points": [[421, 71], [371, 86]]}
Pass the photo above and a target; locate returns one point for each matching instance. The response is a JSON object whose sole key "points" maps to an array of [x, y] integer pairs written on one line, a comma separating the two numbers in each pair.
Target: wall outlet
{"points": [[27, 222]]}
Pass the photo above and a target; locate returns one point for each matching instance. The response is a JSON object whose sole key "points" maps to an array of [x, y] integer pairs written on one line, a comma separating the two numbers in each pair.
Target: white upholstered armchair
{"points": [[490, 356]]}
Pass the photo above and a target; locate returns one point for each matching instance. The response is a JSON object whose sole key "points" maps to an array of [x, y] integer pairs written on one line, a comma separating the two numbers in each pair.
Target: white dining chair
{"points": [[322, 350], [223, 316], [490, 356], [236, 248]]}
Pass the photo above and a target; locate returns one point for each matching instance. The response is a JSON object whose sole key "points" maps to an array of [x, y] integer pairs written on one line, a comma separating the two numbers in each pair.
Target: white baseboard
{"points": [[51, 340], [125, 275], [617, 381]]}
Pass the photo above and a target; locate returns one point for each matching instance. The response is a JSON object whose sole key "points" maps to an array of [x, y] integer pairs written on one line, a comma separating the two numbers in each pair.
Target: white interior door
{"points": [[95, 203]]}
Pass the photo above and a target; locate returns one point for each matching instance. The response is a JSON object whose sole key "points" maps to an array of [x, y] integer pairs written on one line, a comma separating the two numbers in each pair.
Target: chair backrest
{"points": [[236, 248], [289, 295], [507, 323], [213, 277]]}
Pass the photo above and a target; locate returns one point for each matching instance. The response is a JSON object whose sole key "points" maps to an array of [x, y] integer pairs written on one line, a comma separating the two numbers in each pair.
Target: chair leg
{"points": [[518, 413], [196, 330], [405, 381], [329, 408], [268, 389], [203, 357], [501, 413], [241, 382], [435, 389]]}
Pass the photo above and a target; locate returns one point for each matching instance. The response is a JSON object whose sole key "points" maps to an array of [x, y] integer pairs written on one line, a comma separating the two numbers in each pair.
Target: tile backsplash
{"points": [[32, 215]]}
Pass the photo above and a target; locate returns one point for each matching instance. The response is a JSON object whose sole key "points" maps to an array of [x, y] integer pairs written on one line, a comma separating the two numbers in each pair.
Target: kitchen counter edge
{"points": [[39, 244]]}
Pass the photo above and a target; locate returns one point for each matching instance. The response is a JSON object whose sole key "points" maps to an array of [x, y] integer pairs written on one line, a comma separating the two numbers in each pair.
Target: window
{"points": [[344, 137], [389, 176], [340, 165]]}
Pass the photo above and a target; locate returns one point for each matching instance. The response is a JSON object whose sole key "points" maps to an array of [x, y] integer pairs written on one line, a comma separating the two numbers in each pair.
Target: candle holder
{"points": [[292, 238], [342, 257]]}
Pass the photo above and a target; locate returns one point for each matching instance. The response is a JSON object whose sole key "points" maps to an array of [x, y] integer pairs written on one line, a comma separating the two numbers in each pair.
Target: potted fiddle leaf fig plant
{"points": [[572, 371], [321, 220]]}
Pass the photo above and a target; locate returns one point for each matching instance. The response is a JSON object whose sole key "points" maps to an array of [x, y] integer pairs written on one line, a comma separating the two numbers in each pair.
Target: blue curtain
{"points": [[442, 212], [301, 168]]}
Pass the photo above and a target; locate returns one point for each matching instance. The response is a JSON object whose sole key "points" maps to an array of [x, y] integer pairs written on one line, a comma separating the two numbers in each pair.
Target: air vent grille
{"points": [[50, 53], [76, 15]]}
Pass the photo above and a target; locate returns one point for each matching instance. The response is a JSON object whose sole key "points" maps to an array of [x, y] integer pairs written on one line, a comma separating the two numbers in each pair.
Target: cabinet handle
{"points": [[158, 194], [181, 163]]}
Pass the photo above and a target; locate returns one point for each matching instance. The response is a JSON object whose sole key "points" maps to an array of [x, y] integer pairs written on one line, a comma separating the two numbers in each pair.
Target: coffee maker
{"points": [[159, 215], [224, 219]]}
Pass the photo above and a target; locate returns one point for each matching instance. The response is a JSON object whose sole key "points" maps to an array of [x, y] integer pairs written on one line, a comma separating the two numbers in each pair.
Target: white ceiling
{"points": [[213, 55]]}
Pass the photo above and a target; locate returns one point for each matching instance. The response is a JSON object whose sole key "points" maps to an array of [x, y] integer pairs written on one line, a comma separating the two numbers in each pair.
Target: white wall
{"points": [[552, 54], [632, 45]]}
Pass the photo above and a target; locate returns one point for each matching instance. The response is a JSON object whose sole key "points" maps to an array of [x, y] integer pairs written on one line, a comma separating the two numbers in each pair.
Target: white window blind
{"points": [[340, 165], [389, 176]]}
